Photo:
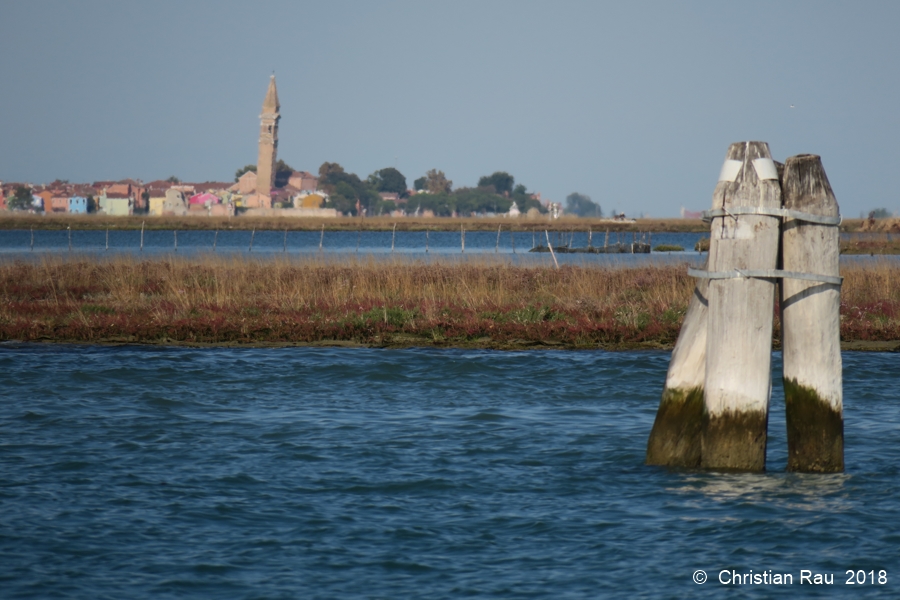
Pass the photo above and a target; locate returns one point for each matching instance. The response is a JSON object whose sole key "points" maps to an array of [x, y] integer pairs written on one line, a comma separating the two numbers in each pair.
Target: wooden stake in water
{"points": [[590, 238], [426, 241], [497, 247], [462, 237], [142, 236], [32, 239], [811, 322], [675, 437], [70, 237], [739, 337], [284, 246], [549, 245], [358, 235], [322, 237], [107, 238], [606, 240], [215, 240], [175, 231], [532, 238], [393, 236], [252, 235]]}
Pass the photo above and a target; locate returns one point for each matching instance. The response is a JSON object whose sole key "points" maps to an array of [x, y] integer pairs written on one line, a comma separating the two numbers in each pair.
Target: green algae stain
{"points": [[675, 437], [815, 431], [735, 441]]}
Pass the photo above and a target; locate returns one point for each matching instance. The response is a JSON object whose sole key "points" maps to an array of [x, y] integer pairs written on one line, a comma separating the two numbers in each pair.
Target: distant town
{"points": [[273, 188]]}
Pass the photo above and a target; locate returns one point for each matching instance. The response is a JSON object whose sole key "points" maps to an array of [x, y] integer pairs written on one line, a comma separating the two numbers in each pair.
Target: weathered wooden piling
{"points": [[810, 321], [284, 245], [142, 235], [175, 232], [497, 246], [675, 437], [393, 237], [426, 241], [107, 238], [462, 238], [252, 235], [739, 336], [215, 240], [322, 238], [550, 246]]}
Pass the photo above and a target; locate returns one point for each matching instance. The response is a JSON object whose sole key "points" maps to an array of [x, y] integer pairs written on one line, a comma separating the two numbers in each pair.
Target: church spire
{"points": [[270, 104]]}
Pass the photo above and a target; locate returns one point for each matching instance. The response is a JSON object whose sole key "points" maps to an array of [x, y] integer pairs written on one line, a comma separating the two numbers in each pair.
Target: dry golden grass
{"points": [[239, 300]]}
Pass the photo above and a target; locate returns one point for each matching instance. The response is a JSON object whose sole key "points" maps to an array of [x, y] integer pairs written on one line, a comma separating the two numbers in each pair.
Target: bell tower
{"points": [[268, 141]]}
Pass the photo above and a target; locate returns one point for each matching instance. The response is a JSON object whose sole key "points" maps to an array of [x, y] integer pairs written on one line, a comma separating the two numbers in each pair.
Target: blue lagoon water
{"points": [[152, 472]]}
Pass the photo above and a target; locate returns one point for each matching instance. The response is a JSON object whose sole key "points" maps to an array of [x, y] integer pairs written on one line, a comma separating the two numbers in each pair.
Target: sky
{"points": [[632, 103]]}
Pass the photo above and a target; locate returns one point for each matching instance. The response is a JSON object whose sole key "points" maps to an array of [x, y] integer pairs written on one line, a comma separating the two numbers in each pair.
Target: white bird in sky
{"points": [[792, 106]]}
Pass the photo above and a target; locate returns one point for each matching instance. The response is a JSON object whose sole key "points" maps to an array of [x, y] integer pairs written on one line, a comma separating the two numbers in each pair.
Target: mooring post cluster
{"points": [[773, 230]]}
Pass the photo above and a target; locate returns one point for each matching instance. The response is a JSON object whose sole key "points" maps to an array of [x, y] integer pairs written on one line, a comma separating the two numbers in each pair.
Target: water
{"points": [[150, 472], [307, 242]]}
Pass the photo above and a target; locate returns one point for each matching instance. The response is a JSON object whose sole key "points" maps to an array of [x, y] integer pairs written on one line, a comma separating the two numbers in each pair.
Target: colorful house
{"points": [[78, 205], [116, 204]]}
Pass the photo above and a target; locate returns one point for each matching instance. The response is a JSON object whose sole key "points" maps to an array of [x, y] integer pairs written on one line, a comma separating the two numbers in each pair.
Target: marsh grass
{"points": [[223, 300]]}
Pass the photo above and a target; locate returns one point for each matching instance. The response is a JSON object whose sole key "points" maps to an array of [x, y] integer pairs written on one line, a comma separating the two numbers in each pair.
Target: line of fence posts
{"points": [[714, 408]]}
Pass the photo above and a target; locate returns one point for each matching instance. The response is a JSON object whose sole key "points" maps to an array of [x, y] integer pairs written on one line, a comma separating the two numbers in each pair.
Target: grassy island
{"points": [[239, 301]]}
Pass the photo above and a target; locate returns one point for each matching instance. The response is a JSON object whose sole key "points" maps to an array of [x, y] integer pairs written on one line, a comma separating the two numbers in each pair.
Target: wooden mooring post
{"points": [[142, 235], [175, 232], [739, 335], [810, 321], [462, 238], [675, 437], [393, 236], [215, 240], [715, 405]]}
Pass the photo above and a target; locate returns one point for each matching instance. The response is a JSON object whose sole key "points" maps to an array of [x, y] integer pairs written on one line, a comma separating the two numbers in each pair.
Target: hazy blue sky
{"points": [[632, 103]]}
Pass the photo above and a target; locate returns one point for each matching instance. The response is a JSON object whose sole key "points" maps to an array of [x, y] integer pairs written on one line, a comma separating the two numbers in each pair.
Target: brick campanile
{"points": [[268, 141]]}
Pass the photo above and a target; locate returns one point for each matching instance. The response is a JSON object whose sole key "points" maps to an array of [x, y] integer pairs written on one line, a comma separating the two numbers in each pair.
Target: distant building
{"points": [[115, 204], [304, 181], [78, 205], [268, 144]]}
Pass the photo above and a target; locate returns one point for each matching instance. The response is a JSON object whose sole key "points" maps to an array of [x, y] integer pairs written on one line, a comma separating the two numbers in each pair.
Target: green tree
{"points": [[328, 168], [173, 179], [582, 205], [879, 213], [419, 184], [244, 169], [21, 199], [436, 182], [283, 173], [501, 181], [91, 204], [389, 180]]}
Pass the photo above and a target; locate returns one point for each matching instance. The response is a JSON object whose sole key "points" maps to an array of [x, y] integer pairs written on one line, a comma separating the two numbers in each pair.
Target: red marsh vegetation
{"points": [[219, 300]]}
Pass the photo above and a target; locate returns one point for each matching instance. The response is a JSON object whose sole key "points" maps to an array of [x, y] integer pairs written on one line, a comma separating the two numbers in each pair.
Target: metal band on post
{"points": [[764, 274], [787, 213]]}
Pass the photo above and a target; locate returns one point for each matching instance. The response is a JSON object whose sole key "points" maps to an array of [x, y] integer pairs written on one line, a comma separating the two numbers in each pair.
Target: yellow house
{"points": [[156, 206], [310, 201]]}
